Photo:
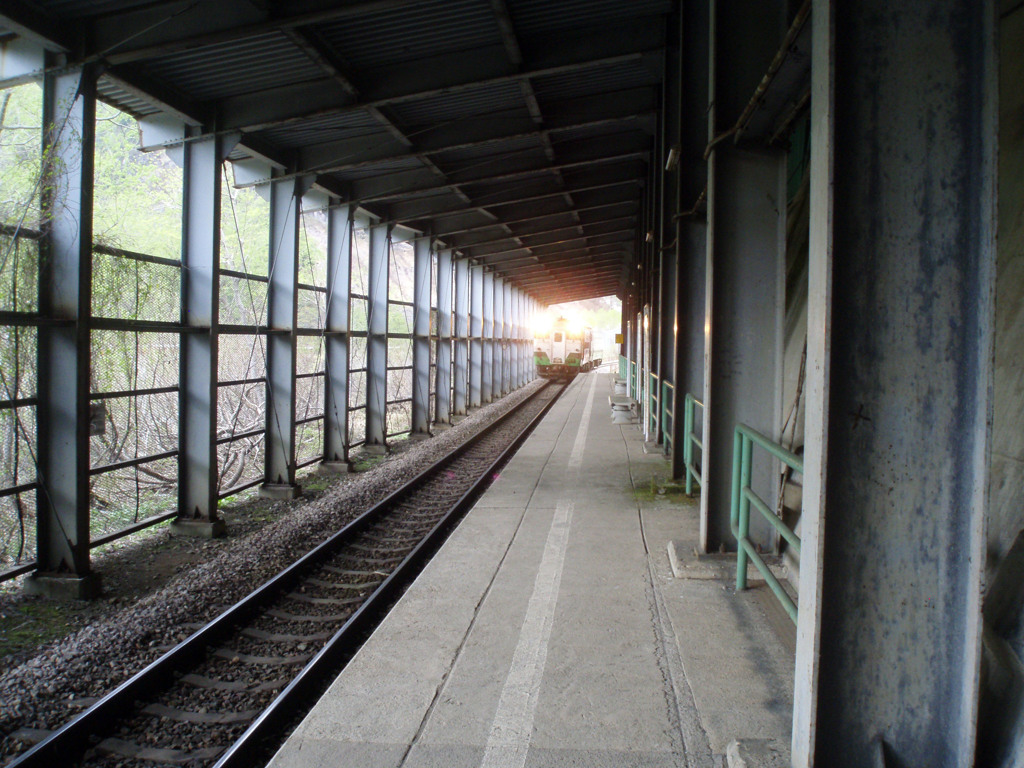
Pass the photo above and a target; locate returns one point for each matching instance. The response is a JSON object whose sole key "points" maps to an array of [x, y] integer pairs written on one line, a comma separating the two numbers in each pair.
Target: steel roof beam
{"points": [[466, 249], [328, 158], [541, 233], [516, 199], [400, 190], [163, 41], [529, 219], [263, 110]]}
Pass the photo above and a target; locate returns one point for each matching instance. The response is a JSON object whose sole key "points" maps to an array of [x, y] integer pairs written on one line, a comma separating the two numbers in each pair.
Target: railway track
{"points": [[224, 696]]}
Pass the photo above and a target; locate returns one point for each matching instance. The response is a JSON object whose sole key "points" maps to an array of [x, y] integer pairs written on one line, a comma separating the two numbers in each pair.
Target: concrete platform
{"points": [[551, 631]]}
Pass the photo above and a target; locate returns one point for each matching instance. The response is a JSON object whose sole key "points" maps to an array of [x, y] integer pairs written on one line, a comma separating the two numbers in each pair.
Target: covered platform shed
{"points": [[811, 212]]}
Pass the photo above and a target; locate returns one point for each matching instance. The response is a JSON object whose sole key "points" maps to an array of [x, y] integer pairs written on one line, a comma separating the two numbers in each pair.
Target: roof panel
{"points": [[319, 130], [381, 169], [496, 101], [491, 149], [135, 105], [240, 66], [413, 33], [589, 82]]}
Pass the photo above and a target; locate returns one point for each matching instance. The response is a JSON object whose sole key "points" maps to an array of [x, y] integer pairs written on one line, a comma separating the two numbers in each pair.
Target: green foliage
{"points": [[137, 195], [21, 119]]}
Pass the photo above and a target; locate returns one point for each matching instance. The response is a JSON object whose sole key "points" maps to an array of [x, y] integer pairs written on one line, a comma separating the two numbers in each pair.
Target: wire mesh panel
{"points": [[310, 357], [131, 288], [17, 443], [241, 410], [133, 427], [243, 300], [398, 418], [242, 354]]}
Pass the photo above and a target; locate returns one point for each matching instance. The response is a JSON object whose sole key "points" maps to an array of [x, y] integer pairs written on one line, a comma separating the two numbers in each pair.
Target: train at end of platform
{"points": [[563, 350]]}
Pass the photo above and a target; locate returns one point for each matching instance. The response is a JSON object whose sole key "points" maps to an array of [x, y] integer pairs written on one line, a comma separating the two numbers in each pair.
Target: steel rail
{"points": [[66, 745]]}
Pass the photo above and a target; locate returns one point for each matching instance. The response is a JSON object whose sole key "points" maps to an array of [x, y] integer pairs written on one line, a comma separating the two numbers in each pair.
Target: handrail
{"points": [[667, 413], [653, 402], [744, 439], [690, 439]]}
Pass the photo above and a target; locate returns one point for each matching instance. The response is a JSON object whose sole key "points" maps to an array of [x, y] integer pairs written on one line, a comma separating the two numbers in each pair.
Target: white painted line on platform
{"points": [[512, 729]]}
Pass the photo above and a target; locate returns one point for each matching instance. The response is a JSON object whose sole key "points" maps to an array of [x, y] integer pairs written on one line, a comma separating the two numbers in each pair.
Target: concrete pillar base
{"points": [[334, 467], [456, 418], [200, 529], [438, 427], [419, 437], [280, 491], [375, 450], [64, 586]]}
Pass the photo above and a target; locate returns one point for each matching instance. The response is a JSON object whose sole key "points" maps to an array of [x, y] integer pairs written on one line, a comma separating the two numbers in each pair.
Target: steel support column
{"points": [[691, 226], [487, 362], [200, 309], [377, 338], [498, 340], [902, 262], [745, 302], [460, 393], [476, 334], [421, 337], [282, 321], [339, 266], [63, 348], [443, 372], [508, 339]]}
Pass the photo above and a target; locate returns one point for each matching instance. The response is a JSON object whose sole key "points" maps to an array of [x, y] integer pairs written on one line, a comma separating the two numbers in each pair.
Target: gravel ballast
{"points": [[54, 685]]}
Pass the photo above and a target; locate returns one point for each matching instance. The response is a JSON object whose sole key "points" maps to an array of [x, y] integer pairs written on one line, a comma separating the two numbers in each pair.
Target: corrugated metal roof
{"points": [[595, 80], [381, 169], [111, 93], [493, 101], [229, 69], [458, 157], [317, 130], [394, 58], [415, 32], [544, 16]]}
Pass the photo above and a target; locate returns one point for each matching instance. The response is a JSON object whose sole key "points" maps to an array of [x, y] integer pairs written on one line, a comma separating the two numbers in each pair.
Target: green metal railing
{"points": [[634, 387], [653, 403], [743, 496], [690, 439], [622, 367], [668, 408]]}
